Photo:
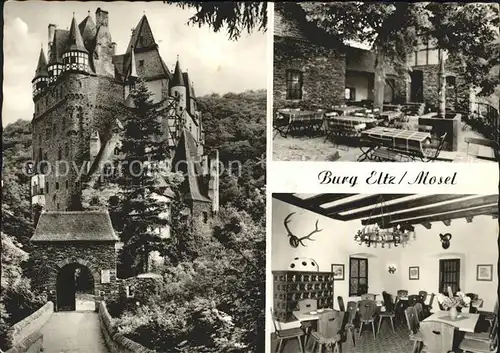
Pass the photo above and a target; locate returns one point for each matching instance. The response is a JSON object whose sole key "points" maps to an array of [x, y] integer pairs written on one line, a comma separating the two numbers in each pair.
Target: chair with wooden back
{"points": [[412, 299], [431, 154], [352, 310], [437, 337], [484, 336], [419, 310], [422, 296], [306, 306], [287, 334], [413, 326], [367, 312], [428, 307], [340, 301], [328, 333], [389, 310], [368, 296]]}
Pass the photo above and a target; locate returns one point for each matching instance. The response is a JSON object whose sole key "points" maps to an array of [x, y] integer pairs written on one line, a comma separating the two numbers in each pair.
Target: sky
{"points": [[214, 63]]}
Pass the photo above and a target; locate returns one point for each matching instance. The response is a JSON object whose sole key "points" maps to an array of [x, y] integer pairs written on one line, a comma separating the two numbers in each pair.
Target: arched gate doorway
{"points": [[75, 288]]}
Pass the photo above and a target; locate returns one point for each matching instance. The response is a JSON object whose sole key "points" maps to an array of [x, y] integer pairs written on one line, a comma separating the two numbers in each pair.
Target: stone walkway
{"points": [[73, 332]]}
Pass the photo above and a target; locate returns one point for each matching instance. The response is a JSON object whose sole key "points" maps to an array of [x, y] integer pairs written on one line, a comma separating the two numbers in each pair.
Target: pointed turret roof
{"points": [[75, 40], [178, 79], [142, 36], [41, 68]]}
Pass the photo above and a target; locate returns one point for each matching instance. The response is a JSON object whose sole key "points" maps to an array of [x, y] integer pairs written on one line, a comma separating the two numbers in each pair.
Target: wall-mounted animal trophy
{"points": [[294, 240], [445, 240]]}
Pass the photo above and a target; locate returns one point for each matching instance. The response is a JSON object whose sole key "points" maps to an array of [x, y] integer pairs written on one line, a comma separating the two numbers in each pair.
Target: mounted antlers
{"points": [[294, 240]]}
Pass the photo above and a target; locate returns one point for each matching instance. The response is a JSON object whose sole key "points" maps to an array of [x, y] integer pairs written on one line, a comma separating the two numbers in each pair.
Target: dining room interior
{"points": [[384, 273]]}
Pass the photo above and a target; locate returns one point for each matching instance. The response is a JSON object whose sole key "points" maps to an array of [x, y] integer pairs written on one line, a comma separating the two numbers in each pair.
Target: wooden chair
{"points": [[412, 299], [368, 296], [483, 336], [340, 301], [490, 316], [414, 327], [437, 337], [402, 293], [389, 310], [367, 312], [306, 306], [287, 334], [422, 296], [419, 310], [350, 328], [328, 334], [428, 307], [431, 154]]}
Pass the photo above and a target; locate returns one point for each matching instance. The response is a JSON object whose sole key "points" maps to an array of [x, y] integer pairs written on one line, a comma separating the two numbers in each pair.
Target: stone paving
{"points": [[73, 332]]}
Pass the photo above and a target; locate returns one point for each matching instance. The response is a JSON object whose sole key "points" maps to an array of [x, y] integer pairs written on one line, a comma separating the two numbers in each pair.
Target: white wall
{"points": [[361, 83], [474, 243]]}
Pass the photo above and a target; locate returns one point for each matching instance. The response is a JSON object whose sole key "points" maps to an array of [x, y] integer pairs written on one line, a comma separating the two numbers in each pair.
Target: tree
{"points": [[235, 15], [466, 31], [142, 200]]}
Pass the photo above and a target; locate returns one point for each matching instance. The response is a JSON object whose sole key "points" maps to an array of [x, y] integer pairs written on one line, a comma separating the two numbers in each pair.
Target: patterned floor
{"points": [[385, 342]]}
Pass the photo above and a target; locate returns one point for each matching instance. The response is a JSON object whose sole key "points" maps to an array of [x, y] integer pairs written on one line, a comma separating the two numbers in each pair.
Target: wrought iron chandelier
{"points": [[378, 234]]}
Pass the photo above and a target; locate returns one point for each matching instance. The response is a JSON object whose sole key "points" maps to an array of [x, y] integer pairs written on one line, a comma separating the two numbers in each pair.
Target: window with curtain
{"points": [[293, 84], [358, 276]]}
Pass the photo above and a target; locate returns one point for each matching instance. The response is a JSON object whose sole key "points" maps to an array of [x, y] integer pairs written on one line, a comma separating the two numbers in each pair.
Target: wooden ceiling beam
{"points": [[429, 211], [447, 222], [427, 225], [404, 205], [326, 198], [295, 201], [485, 210], [369, 200]]}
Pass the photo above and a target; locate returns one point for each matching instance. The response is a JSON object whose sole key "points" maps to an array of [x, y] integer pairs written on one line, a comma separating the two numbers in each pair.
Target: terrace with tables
{"points": [[401, 133], [384, 273]]}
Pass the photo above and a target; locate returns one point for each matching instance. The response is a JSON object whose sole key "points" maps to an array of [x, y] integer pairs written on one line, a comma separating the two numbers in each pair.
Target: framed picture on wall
{"points": [[414, 273], [338, 272], [484, 273]]}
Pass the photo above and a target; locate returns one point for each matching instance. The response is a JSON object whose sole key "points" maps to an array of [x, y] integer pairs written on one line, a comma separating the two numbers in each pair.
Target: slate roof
{"points": [[89, 31], [142, 36], [41, 68], [58, 46], [75, 40], [68, 226], [187, 160], [178, 79]]}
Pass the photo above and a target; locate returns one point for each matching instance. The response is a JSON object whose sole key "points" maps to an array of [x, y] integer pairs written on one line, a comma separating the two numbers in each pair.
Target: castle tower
{"points": [[75, 57], [41, 79], [178, 87]]}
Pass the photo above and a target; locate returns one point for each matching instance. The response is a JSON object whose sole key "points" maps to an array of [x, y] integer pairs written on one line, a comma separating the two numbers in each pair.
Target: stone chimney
{"points": [[52, 31], [213, 183], [114, 48], [95, 146], [101, 18]]}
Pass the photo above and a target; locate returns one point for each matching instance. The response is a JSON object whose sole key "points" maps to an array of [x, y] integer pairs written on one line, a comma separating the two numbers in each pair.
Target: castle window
{"points": [[66, 150], [205, 217], [58, 205], [54, 198], [47, 187], [294, 84], [59, 153], [141, 63], [57, 185], [116, 151], [67, 184], [64, 123]]}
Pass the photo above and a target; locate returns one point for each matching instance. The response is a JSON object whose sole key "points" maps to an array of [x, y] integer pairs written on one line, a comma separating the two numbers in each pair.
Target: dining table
{"points": [[404, 141], [465, 322], [294, 120]]}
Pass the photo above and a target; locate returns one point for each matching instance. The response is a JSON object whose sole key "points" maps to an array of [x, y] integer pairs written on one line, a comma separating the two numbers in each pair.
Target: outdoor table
{"points": [[404, 141], [352, 120], [391, 115], [301, 119], [465, 322], [348, 110]]}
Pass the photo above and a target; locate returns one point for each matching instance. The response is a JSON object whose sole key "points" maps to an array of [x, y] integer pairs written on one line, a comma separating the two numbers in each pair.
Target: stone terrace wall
{"points": [[33, 343], [32, 323], [115, 341]]}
